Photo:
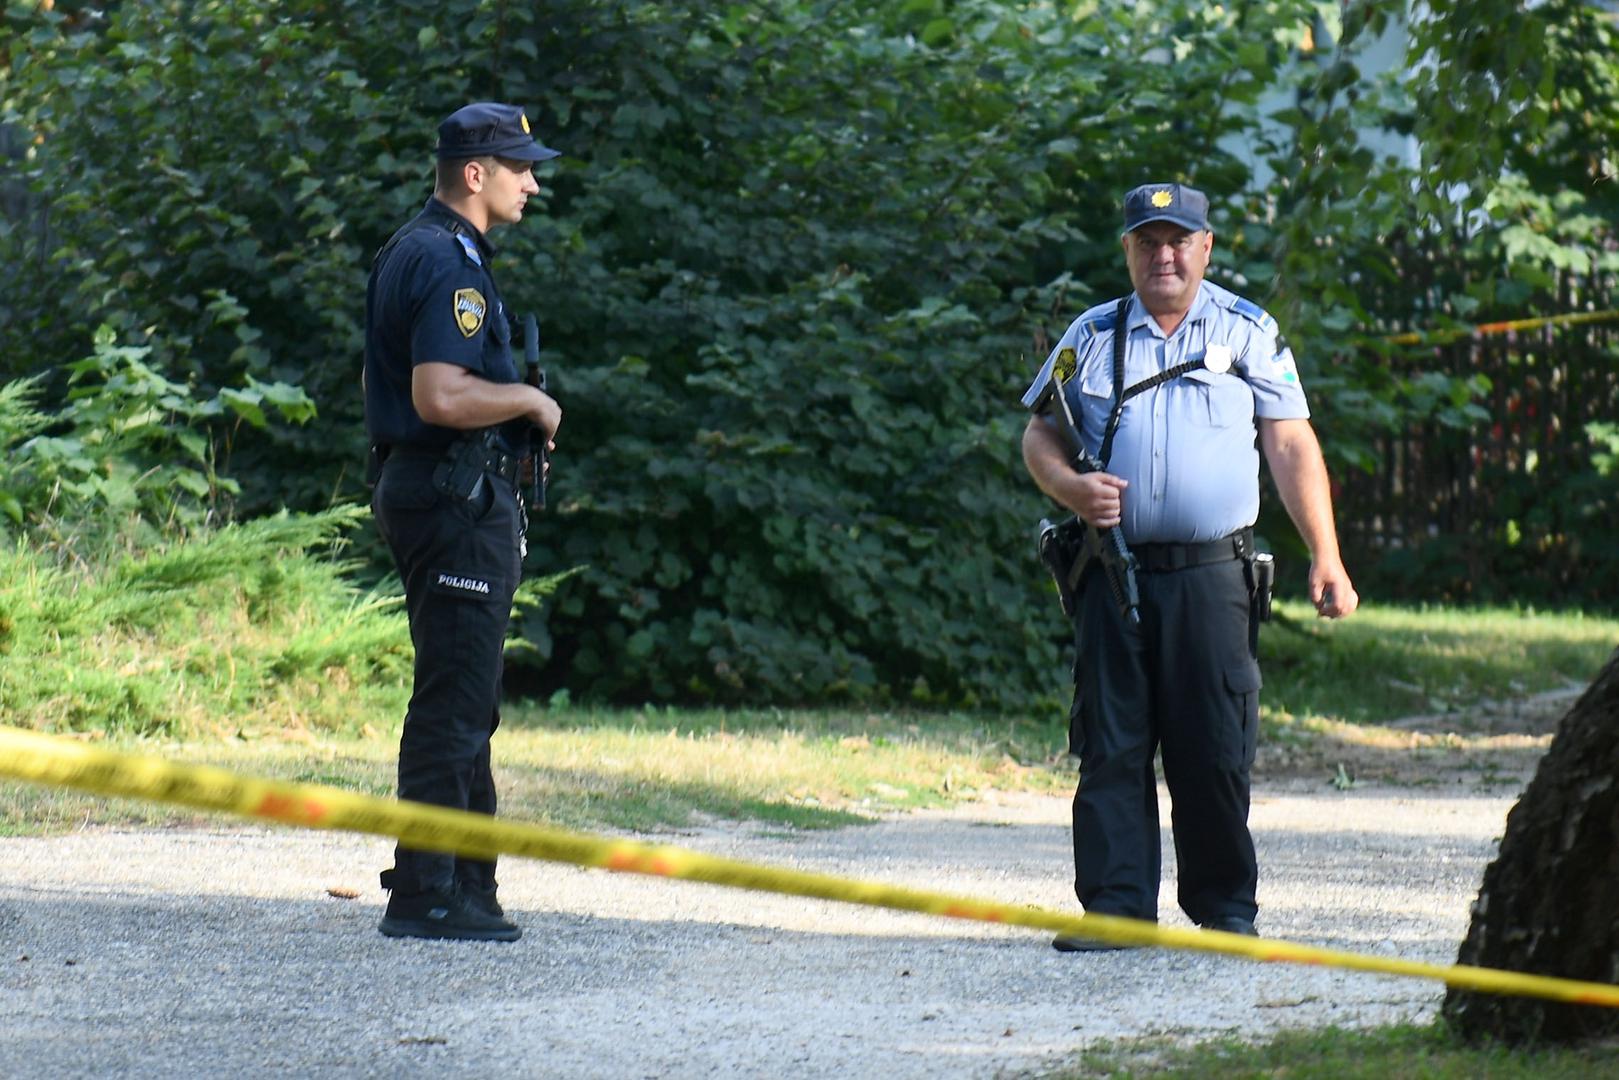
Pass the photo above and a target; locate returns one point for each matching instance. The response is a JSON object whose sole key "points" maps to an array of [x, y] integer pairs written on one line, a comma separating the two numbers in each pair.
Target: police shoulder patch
{"points": [[1067, 362], [470, 310], [470, 247], [1254, 313]]}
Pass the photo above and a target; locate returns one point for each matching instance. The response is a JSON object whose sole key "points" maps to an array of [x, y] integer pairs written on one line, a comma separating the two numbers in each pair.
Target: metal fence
{"points": [[1511, 505]]}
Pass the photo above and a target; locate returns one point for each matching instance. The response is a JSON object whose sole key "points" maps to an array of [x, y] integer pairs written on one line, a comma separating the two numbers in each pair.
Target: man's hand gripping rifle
{"points": [[1066, 548]]}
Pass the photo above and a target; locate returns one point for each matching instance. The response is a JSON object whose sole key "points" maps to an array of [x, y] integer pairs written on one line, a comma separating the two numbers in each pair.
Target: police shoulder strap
{"points": [[1120, 394], [1120, 333]]}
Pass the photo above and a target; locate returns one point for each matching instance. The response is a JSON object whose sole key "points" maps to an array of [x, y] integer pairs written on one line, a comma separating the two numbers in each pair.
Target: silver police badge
{"points": [[1217, 358]]}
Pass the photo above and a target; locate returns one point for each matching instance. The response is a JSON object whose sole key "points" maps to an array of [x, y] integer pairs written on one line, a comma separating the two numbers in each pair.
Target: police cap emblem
{"points": [[470, 309], [1161, 199]]}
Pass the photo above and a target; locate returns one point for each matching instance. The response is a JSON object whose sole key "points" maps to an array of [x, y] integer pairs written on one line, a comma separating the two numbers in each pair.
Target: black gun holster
{"points": [[469, 460], [1066, 553], [1260, 570]]}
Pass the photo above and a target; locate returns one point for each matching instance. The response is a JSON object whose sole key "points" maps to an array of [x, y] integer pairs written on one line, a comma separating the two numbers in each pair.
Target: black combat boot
{"points": [[444, 913]]}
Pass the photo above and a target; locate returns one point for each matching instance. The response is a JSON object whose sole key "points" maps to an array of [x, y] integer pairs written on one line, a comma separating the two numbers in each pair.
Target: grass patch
{"points": [[633, 769], [247, 625], [1405, 1051], [803, 768], [1384, 662], [248, 648]]}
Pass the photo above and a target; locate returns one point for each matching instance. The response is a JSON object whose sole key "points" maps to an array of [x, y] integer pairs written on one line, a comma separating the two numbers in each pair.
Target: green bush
{"points": [[127, 457], [792, 272], [203, 634]]}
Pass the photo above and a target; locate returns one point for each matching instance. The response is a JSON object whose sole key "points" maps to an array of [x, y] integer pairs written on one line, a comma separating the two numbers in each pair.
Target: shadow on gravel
{"points": [[1492, 747], [225, 985]]}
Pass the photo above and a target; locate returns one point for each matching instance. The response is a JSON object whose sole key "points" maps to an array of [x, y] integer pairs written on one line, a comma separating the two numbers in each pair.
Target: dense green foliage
{"points": [[792, 272], [125, 459]]}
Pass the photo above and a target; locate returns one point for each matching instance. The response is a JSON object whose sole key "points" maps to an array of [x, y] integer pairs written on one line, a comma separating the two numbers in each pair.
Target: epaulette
{"points": [[1254, 313], [1096, 324], [470, 246]]}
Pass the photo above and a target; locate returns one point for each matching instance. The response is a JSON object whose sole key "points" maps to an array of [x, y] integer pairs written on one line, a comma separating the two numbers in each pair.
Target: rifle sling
{"points": [[1120, 393]]}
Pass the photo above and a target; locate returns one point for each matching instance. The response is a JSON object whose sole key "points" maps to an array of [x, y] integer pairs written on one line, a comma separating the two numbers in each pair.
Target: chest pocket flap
{"points": [[1228, 400]]}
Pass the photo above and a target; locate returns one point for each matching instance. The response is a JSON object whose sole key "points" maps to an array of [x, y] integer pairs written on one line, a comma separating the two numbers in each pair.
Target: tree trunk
{"points": [[1549, 904]]}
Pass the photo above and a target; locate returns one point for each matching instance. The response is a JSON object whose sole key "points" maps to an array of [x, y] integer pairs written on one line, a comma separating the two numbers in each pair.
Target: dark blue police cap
{"points": [[489, 129], [1185, 206]]}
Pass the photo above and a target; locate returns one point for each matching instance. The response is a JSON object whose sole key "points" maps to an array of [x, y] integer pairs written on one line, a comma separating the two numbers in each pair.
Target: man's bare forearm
{"points": [[451, 396], [1294, 455]]}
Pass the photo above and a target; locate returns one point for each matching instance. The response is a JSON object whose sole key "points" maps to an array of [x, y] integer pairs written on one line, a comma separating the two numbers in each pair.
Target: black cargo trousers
{"points": [[460, 562], [1185, 681]]}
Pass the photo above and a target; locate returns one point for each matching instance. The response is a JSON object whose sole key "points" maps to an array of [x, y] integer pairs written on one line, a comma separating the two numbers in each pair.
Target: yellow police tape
{"points": [[1440, 337], [64, 762]]}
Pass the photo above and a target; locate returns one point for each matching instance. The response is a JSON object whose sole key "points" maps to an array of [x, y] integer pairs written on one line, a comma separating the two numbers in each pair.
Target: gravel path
{"points": [[220, 953]]}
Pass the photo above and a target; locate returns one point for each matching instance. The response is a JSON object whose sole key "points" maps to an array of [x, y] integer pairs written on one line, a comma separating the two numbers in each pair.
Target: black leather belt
{"points": [[506, 466], [1159, 558]]}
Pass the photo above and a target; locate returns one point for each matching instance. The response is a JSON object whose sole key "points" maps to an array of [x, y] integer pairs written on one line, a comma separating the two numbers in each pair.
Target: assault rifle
{"points": [[1067, 547], [536, 437]]}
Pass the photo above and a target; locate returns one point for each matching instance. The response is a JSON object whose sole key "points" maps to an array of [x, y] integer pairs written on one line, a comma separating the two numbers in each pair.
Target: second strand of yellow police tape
{"points": [[63, 762]]}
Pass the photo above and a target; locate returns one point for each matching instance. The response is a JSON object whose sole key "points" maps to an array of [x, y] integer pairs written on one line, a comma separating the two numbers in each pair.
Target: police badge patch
{"points": [[470, 309], [1286, 366], [1066, 362]]}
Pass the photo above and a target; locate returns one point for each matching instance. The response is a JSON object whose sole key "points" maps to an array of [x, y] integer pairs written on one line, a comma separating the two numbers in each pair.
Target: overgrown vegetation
{"points": [[252, 625], [792, 271]]}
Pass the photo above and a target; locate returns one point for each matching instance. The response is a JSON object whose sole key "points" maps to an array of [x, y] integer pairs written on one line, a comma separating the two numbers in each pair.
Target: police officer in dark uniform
{"points": [[449, 422], [1181, 478]]}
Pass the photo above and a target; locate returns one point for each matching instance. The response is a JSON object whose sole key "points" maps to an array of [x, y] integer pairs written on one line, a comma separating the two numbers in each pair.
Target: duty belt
{"points": [[506, 466], [1159, 558]]}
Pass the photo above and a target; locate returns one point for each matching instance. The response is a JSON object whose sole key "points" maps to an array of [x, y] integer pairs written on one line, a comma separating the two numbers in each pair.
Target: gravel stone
{"points": [[220, 952]]}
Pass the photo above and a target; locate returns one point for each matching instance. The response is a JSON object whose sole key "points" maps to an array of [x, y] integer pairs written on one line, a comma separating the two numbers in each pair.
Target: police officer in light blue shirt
{"points": [[1205, 385]]}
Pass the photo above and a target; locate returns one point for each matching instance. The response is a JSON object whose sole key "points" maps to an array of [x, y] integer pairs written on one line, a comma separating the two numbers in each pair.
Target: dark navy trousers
{"points": [[1186, 682], [460, 562]]}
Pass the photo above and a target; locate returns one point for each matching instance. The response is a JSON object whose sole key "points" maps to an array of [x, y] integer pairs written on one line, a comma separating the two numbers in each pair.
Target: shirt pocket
{"points": [[1095, 399], [1226, 400]]}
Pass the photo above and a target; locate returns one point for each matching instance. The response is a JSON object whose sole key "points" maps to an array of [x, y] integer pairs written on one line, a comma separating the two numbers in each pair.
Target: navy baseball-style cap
{"points": [[1177, 203], [490, 129]]}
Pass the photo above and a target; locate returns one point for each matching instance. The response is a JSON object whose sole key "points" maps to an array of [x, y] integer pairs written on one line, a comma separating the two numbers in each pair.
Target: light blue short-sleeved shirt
{"points": [[1188, 446]]}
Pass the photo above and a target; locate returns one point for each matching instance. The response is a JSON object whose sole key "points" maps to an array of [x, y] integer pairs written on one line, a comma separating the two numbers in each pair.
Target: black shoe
{"points": [[441, 913], [482, 899], [1232, 924], [1076, 943]]}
